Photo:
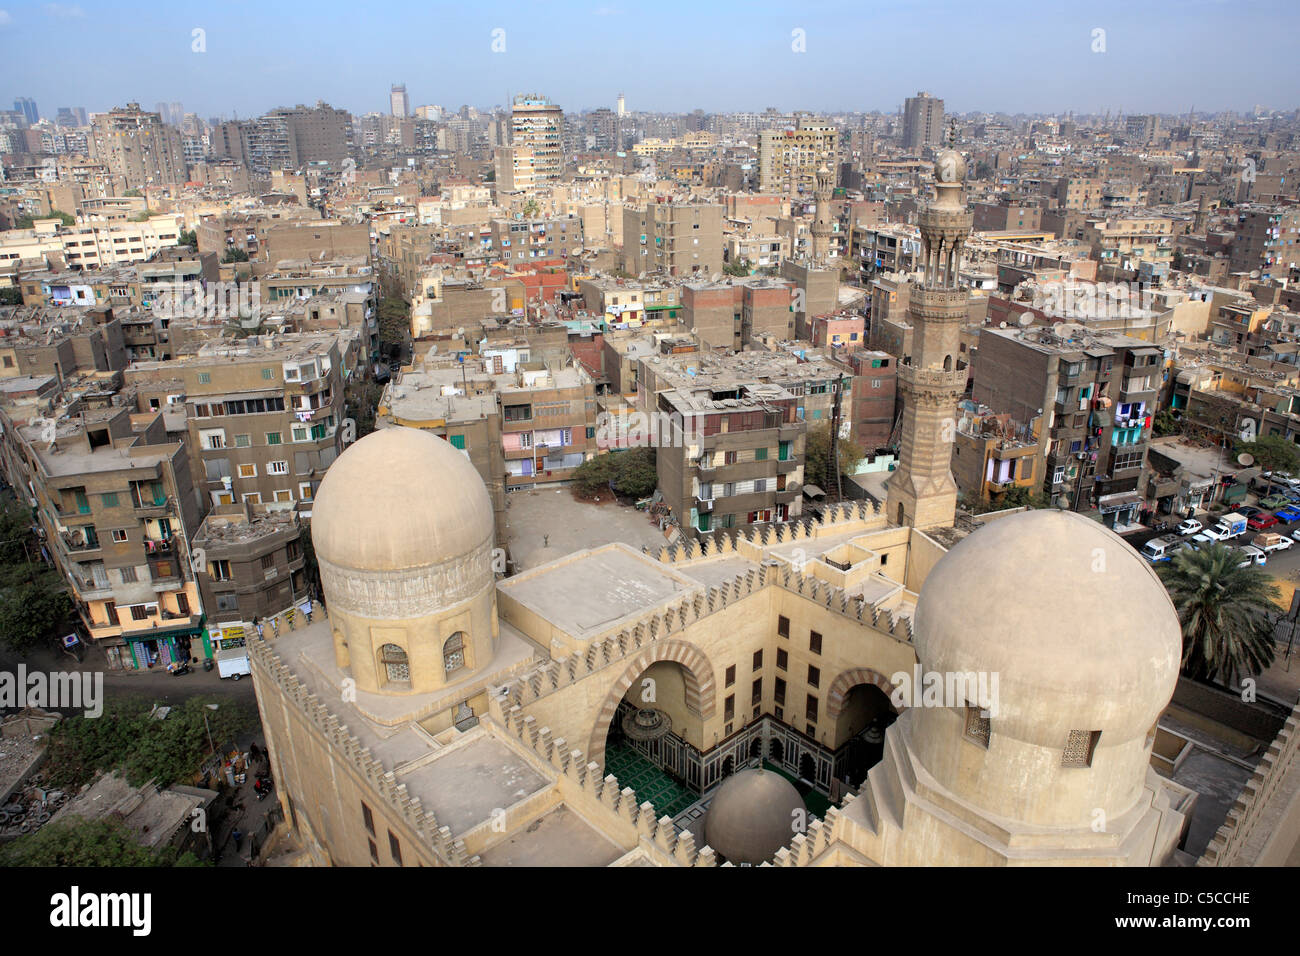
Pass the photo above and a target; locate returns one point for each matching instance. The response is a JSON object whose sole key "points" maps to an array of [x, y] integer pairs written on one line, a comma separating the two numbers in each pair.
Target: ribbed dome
{"points": [[753, 815], [1078, 628], [400, 498]]}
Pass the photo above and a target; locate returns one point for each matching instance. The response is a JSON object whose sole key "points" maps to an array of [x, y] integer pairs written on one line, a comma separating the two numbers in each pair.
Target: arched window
{"points": [[453, 652], [900, 516], [396, 666], [947, 363]]}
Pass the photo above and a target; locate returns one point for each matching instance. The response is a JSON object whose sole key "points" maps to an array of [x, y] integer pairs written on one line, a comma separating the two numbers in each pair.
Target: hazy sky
{"points": [[671, 55]]}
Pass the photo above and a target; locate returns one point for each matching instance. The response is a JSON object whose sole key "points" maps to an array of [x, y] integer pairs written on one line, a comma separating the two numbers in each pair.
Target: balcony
{"points": [[81, 541], [788, 431], [703, 504], [785, 466]]}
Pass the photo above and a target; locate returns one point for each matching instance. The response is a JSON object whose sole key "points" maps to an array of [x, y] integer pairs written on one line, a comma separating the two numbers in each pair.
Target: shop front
{"points": [[1120, 512], [158, 647]]}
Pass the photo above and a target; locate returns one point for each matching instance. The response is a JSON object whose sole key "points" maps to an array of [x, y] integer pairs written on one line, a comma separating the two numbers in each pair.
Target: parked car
{"points": [[1251, 555], [1190, 526], [1262, 521], [1289, 513], [1248, 510], [1273, 501]]}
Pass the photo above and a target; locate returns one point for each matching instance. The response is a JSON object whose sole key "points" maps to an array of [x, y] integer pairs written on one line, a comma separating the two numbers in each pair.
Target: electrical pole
{"points": [[838, 388]]}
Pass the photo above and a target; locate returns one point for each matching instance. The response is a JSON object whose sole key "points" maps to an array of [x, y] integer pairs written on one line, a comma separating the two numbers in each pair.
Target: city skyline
{"points": [[1058, 65]]}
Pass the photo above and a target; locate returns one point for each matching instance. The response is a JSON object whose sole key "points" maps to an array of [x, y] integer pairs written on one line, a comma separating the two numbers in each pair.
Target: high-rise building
{"points": [[27, 106], [399, 103], [788, 159], [922, 492], [138, 146], [537, 124], [922, 121]]}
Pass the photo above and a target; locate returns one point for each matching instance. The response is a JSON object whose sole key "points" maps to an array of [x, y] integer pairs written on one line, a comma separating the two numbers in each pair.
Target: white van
{"points": [[1161, 549]]}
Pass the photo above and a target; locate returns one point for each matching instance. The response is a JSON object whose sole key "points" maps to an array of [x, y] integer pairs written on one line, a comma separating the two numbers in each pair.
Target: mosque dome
{"points": [[400, 498], [753, 815], [1078, 628]]}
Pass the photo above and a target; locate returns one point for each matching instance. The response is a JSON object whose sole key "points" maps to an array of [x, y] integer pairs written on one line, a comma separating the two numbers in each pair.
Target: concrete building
{"points": [[922, 122], [138, 146], [113, 496], [252, 568], [262, 416], [788, 159], [537, 126], [1098, 395], [677, 239]]}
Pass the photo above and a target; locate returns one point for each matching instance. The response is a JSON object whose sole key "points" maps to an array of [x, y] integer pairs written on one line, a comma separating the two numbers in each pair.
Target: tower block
{"points": [[921, 491]]}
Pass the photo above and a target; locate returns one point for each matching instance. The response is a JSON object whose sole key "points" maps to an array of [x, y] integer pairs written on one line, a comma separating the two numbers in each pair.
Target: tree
{"points": [[29, 222], [188, 238], [126, 737], [34, 603], [79, 842], [1166, 423], [817, 457], [594, 475], [1226, 613], [11, 296], [394, 324], [635, 474], [739, 268], [235, 254], [1272, 453]]}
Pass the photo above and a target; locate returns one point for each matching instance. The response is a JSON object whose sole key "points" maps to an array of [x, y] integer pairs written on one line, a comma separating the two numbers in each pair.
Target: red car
{"points": [[1262, 521]]}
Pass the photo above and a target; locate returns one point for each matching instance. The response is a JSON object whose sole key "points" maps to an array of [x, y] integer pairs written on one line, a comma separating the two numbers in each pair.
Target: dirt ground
{"points": [[553, 519]]}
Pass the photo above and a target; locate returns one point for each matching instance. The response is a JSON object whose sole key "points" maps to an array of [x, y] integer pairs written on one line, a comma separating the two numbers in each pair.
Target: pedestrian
{"points": [[236, 836], [257, 623], [306, 609]]}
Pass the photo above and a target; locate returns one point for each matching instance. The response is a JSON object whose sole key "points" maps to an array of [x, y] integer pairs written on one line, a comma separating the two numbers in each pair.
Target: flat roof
{"points": [[590, 591]]}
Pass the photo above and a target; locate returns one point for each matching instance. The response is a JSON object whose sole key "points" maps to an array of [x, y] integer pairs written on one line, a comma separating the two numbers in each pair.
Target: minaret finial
{"points": [[952, 133]]}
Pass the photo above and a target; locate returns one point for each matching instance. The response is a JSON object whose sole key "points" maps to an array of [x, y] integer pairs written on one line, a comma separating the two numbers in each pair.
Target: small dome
{"points": [[753, 814], [400, 498], [1078, 628]]}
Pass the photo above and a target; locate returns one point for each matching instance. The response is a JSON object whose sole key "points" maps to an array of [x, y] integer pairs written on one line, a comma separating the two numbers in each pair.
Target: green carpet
{"points": [[668, 797]]}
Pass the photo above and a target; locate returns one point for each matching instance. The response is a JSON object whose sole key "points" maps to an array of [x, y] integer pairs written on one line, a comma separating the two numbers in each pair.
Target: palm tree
{"points": [[1226, 613]]}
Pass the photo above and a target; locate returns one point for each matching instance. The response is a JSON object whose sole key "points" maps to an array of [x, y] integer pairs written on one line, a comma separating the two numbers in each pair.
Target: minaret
{"points": [[921, 491], [821, 229]]}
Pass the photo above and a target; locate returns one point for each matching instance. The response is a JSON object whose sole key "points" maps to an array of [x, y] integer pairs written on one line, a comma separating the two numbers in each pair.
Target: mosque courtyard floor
{"points": [[671, 798]]}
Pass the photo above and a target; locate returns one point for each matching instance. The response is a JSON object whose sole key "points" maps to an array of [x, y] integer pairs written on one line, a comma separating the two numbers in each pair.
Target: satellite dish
{"points": [[1245, 459]]}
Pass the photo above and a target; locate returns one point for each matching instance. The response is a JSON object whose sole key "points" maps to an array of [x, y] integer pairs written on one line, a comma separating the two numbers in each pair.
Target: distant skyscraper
{"points": [[27, 106], [399, 104], [922, 121]]}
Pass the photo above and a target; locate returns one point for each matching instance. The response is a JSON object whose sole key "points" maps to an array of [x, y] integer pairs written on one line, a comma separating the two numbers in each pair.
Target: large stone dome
{"points": [[1075, 624], [400, 498], [753, 814]]}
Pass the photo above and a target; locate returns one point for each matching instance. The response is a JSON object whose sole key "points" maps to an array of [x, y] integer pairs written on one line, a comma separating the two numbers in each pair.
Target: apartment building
{"points": [[1098, 393], [114, 499], [1126, 241], [516, 242], [788, 159], [736, 313], [1265, 241], [138, 146], [537, 127], [742, 463], [922, 122], [871, 399], [60, 341], [253, 566], [93, 245], [548, 422], [262, 416], [679, 239], [992, 454]]}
